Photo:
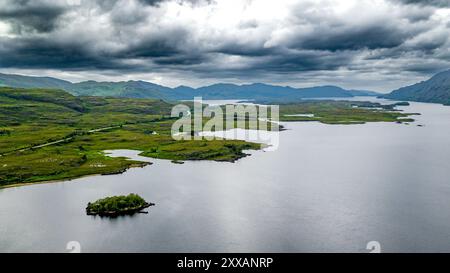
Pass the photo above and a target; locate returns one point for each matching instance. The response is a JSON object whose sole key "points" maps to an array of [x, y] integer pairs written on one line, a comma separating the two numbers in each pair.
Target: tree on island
{"points": [[117, 205]]}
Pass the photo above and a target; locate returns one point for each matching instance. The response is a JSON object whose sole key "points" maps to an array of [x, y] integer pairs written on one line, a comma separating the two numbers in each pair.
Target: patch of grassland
{"points": [[342, 112], [34, 117], [30, 118]]}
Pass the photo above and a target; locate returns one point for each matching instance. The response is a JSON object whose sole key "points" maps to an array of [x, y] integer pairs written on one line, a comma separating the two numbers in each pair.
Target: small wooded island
{"points": [[117, 205]]}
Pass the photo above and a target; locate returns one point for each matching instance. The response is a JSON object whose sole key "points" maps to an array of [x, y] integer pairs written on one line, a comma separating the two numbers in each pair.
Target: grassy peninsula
{"points": [[51, 135], [342, 112]]}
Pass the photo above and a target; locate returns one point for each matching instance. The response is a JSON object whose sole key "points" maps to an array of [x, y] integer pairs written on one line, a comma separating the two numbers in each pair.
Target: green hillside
{"points": [[33, 82], [32, 120], [436, 89], [50, 134], [220, 91]]}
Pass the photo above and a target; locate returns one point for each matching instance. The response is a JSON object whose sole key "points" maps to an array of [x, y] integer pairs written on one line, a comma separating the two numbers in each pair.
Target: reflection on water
{"points": [[327, 188]]}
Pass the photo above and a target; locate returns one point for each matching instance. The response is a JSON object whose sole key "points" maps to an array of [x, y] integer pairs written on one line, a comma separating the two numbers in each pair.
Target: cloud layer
{"points": [[378, 44]]}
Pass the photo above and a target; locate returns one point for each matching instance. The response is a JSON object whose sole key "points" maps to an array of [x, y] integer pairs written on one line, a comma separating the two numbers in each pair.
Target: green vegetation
{"points": [[117, 205], [51, 135], [142, 89], [48, 135], [341, 112]]}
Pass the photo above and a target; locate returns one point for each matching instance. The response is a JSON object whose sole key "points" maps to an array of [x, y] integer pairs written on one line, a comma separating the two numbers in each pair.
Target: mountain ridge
{"points": [[143, 89], [435, 90]]}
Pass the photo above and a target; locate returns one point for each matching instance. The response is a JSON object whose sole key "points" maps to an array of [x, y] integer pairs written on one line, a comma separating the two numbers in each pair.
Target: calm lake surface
{"points": [[327, 188]]}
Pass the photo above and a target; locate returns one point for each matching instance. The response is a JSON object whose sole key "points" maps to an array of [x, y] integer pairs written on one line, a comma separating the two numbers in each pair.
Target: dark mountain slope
{"points": [[33, 82], [142, 89], [436, 89]]}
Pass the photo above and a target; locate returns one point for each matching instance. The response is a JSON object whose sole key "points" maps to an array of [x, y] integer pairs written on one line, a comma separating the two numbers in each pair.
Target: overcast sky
{"points": [[362, 44]]}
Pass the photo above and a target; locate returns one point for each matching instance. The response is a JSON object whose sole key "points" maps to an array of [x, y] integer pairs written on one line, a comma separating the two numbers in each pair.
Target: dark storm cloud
{"points": [[182, 59], [151, 2], [426, 68], [235, 48], [41, 53], [28, 15], [156, 2], [308, 61], [436, 3], [192, 36], [171, 42], [371, 37]]}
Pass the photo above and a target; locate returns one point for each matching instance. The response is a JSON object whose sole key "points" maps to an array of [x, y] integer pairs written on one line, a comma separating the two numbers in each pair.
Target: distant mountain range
{"points": [[436, 89], [142, 89]]}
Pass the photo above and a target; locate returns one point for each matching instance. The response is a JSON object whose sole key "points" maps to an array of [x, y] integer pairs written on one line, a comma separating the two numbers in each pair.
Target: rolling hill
{"points": [[436, 90], [20, 81], [49, 134], [142, 89]]}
